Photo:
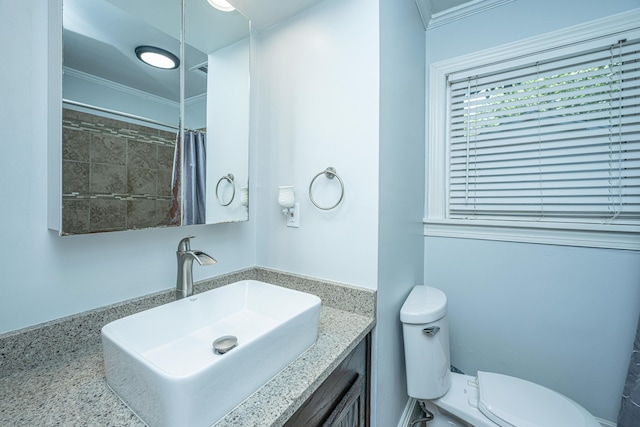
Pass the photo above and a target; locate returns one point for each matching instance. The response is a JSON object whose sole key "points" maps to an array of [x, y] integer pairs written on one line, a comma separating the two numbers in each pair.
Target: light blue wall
{"points": [[318, 107], [401, 194], [564, 317]]}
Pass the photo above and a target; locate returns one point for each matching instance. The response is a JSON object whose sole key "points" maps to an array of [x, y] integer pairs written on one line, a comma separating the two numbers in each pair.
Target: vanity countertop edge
{"points": [[53, 374]]}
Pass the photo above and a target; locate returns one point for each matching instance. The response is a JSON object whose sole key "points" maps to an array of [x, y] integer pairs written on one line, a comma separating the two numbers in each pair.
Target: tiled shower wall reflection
{"points": [[115, 175]]}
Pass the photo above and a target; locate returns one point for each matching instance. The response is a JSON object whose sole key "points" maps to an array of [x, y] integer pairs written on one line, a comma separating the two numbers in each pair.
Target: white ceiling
{"points": [[265, 14]]}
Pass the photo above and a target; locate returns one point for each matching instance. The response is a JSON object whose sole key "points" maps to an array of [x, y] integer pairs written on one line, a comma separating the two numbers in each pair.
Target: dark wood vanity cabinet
{"points": [[343, 398]]}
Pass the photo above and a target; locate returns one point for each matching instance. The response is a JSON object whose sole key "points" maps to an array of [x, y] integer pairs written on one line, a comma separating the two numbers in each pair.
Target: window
{"points": [[543, 147]]}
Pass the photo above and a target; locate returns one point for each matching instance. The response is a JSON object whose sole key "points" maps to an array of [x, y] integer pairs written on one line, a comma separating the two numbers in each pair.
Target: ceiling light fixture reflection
{"points": [[157, 57], [222, 5]]}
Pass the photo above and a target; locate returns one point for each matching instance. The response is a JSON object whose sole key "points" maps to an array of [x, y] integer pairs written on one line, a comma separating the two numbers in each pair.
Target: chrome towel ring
{"points": [[329, 173], [229, 178]]}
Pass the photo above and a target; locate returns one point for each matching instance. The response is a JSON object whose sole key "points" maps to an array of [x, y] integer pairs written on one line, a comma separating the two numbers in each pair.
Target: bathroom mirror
{"points": [[120, 166]]}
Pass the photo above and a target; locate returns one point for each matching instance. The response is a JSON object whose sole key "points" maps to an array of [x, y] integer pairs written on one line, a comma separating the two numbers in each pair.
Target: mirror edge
{"points": [[54, 116]]}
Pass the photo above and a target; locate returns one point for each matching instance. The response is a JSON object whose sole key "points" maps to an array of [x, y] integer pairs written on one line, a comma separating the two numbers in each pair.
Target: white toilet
{"points": [[458, 400]]}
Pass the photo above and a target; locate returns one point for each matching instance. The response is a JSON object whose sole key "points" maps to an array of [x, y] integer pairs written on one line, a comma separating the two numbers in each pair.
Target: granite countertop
{"points": [[67, 386]]}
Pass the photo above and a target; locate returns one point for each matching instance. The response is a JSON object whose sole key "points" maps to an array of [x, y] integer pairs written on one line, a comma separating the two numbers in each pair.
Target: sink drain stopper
{"points": [[224, 344]]}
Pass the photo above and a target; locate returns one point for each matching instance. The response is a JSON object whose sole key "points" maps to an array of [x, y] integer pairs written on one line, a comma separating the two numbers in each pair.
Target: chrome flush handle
{"points": [[431, 330]]}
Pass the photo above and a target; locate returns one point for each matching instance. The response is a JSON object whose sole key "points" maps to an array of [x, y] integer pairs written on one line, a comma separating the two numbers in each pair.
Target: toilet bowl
{"points": [[486, 400]]}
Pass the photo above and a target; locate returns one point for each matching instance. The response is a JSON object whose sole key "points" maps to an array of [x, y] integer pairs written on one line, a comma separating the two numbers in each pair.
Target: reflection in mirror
{"points": [[220, 51], [121, 116]]}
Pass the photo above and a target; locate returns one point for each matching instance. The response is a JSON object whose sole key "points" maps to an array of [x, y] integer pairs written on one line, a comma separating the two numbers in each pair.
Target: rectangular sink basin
{"points": [[161, 362]]}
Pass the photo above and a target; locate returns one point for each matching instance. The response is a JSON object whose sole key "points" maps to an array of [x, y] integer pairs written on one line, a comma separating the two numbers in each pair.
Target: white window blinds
{"points": [[553, 139]]}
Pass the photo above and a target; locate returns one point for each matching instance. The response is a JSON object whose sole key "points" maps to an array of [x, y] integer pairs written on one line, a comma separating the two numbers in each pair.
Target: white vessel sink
{"points": [[161, 363]]}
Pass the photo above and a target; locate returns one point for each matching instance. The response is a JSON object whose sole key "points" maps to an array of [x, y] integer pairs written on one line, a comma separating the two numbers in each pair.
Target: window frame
{"points": [[437, 223]]}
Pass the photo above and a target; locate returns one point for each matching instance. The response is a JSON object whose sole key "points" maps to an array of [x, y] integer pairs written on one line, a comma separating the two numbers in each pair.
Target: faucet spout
{"points": [[202, 258], [186, 256]]}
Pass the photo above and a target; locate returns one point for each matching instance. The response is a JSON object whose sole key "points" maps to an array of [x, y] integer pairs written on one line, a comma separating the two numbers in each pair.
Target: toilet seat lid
{"points": [[513, 402]]}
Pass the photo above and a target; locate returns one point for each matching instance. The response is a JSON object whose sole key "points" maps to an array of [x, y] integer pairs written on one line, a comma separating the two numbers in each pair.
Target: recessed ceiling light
{"points": [[222, 5], [157, 57]]}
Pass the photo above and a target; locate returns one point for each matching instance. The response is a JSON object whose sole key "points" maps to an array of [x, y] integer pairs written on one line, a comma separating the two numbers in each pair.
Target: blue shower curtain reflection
{"points": [[189, 197], [195, 173]]}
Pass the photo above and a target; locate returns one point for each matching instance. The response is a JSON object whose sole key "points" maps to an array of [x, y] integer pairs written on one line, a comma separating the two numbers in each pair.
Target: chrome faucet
{"points": [[184, 284]]}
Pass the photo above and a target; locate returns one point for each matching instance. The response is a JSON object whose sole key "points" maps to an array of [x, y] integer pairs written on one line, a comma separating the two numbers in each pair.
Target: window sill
{"points": [[581, 235]]}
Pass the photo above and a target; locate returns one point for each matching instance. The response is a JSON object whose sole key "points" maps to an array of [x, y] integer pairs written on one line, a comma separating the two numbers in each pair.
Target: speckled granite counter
{"points": [[53, 374]]}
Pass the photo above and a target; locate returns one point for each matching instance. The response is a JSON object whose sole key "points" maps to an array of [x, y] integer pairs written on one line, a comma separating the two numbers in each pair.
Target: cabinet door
{"points": [[342, 399], [350, 412]]}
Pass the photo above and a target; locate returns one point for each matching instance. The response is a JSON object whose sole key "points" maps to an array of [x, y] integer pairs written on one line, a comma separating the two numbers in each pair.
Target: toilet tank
{"points": [[425, 330]]}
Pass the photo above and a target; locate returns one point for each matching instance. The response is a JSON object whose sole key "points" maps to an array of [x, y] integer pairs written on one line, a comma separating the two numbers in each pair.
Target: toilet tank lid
{"points": [[424, 305]]}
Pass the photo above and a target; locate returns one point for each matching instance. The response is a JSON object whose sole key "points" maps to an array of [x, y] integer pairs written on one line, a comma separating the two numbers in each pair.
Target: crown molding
{"points": [[117, 86], [424, 8], [433, 20]]}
